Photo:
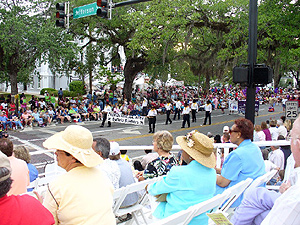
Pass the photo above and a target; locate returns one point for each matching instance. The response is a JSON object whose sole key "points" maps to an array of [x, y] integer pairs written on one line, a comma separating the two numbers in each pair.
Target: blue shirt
{"points": [[127, 178], [186, 186], [33, 174], [244, 162], [3, 119]]}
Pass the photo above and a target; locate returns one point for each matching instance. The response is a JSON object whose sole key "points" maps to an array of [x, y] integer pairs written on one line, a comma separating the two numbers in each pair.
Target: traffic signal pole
{"points": [[252, 55]]}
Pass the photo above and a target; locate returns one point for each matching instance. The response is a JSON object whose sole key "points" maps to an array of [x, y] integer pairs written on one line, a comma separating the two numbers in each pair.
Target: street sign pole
{"points": [[252, 54]]}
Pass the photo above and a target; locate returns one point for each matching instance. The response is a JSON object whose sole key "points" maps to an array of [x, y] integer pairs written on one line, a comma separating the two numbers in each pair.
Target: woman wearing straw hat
{"points": [[191, 184], [83, 195]]}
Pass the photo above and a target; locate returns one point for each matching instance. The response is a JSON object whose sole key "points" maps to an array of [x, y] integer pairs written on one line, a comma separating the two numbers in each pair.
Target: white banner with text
{"points": [[120, 118]]}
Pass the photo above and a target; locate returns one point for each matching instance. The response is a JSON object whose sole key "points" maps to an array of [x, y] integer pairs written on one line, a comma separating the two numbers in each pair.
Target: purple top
{"points": [[268, 134]]}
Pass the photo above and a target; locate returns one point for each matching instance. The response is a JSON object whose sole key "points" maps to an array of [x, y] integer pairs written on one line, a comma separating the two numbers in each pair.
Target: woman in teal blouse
{"points": [[191, 184], [244, 162]]}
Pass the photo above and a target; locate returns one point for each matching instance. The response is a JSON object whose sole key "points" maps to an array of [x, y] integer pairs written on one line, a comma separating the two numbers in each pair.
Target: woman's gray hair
{"points": [[21, 152], [103, 146], [164, 140]]}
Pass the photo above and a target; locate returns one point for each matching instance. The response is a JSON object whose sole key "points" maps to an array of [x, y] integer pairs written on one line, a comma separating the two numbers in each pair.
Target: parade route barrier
{"points": [[217, 146], [233, 106], [242, 106], [127, 119]]}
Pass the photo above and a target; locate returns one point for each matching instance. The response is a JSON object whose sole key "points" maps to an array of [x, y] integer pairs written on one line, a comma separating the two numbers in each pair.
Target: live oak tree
{"points": [[28, 37]]}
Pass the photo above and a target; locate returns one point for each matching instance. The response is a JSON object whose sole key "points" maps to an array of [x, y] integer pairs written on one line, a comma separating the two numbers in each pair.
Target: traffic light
{"points": [[262, 75], [240, 75], [62, 14], [103, 10]]}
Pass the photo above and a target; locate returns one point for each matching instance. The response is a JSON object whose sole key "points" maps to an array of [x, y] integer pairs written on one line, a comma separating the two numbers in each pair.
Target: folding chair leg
{"points": [[142, 214]]}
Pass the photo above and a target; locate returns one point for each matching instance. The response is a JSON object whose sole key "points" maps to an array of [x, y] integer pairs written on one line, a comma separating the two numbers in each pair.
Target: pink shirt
{"points": [[19, 175]]}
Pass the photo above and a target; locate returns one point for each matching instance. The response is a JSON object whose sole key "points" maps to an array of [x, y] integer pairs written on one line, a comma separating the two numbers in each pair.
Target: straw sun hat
{"points": [[199, 147], [77, 141]]}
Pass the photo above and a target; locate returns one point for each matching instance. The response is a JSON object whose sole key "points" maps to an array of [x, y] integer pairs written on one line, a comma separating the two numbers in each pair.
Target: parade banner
{"points": [[127, 119], [242, 106], [233, 106]]}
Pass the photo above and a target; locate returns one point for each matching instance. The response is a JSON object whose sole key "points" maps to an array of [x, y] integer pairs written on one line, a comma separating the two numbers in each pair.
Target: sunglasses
{"points": [[231, 131]]}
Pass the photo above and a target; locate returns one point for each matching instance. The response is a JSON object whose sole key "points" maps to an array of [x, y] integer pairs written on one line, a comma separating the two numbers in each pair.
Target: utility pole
{"points": [[252, 55]]}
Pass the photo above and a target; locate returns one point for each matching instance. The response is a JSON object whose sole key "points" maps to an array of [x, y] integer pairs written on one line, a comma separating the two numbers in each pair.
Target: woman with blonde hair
{"points": [[21, 152], [162, 144], [259, 135]]}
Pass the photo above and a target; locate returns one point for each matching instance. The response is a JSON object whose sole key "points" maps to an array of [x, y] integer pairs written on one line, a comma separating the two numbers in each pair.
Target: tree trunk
{"points": [[132, 67], [207, 82], [129, 74], [13, 83], [277, 75], [297, 79], [199, 83], [91, 79]]}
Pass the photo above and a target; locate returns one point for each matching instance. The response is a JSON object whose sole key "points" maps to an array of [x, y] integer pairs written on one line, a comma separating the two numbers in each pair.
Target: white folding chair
{"points": [[52, 170], [33, 185], [234, 192], [260, 180], [135, 210], [184, 217]]}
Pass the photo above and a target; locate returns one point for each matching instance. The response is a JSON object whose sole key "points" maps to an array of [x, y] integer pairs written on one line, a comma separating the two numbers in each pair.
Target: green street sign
{"points": [[85, 10]]}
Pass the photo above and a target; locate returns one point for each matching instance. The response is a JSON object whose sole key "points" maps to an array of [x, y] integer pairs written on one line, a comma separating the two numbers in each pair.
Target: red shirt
{"points": [[23, 210], [12, 107]]}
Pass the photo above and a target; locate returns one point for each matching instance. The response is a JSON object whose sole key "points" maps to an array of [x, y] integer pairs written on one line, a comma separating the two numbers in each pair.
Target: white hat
{"points": [[225, 129], [114, 148], [77, 141]]}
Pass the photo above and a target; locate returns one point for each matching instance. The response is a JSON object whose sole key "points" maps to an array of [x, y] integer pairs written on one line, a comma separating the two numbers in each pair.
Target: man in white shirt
{"points": [[102, 147], [273, 130], [186, 115], [208, 110], [286, 207], [276, 156], [107, 109], [194, 108], [268, 207], [168, 107], [281, 129], [152, 119], [144, 105], [177, 109]]}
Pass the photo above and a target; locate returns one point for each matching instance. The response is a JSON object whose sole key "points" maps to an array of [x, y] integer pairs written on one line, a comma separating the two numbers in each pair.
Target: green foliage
{"points": [[29, 37], [106, 77], [77, 87], [71, 94], [284, 82], [50, 91]]}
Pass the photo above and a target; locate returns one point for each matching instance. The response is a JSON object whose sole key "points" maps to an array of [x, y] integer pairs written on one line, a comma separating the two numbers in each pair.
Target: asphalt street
{"points": [[132, 135]]}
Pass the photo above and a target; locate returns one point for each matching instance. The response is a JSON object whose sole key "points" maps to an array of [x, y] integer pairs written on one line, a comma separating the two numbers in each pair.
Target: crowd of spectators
{"points": [[42, 111]]}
